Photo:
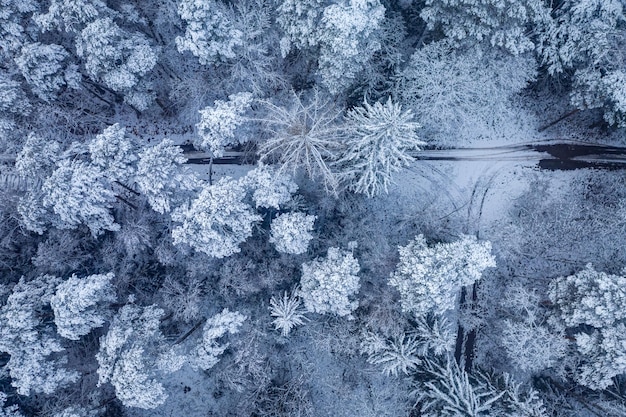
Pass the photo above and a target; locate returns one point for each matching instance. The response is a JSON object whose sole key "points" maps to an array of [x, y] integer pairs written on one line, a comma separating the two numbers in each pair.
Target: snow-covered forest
{"points": [[311, 208]]}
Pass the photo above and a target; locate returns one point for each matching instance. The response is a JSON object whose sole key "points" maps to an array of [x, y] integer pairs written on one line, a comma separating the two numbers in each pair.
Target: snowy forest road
{"points": [[549, 155]]}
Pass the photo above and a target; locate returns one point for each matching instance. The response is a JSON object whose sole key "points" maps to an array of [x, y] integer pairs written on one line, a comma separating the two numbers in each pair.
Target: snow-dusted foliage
{"points": [[429, 278], [346, 32], [77, 194], [299, 20], [454, 92], [304, 136], [118, 59], [9, 411], [217, 221], [73, 412], [532, 341], [13, 103], [45, 71], [38, 157], [399, 355], [114, 153], [219, 122], [70, 15], [35, 364], [12, 30], [450, 393], [183, 297], [291, 232], [590, 297], [80, 304], [446, 390], [377, 143], [209, 351], [348, 38], [587, 37], [499, 23], [402, 352], [210, 34], [271, 188], [287, 312], [160, 175], [329, 284], [130, 355], [594, 303]]}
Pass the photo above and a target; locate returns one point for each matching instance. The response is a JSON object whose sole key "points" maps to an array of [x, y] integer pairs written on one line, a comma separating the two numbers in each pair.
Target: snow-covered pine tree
{"points": [[133, 355], [77, 193], [429, 278], [270, 187], [160, 176], [37, 363], [378, 140], [594, 303], [503, 24], [329, 284], [81, 304], [217, 221], [119, 59], [46, 69], [208, 352], [210, 34], [114, 153], [586, 38], [291, 232], [218, 123]]}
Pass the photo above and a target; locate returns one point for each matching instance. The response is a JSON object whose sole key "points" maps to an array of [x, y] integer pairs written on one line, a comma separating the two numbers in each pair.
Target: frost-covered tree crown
{"points": [[430, 277], [329, 284], [291, 232], [218, 123], [217, 221], [594, 302], [378, 142], [77, 301]]}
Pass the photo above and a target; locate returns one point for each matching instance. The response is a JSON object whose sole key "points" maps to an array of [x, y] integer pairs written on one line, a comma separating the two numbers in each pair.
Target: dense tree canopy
{"points": [[312, 208]]}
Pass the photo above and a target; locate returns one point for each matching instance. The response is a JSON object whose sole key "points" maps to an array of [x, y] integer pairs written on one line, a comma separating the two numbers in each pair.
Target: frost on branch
{"points": [[36, 363], [209, 351], [219, 122], [291, 232], [429, 278], [217, 221], [377, 144], [328, 284], [271, 188], [532, 341], [462, 92], [78, 304], [303, 136], [594, 303]]}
